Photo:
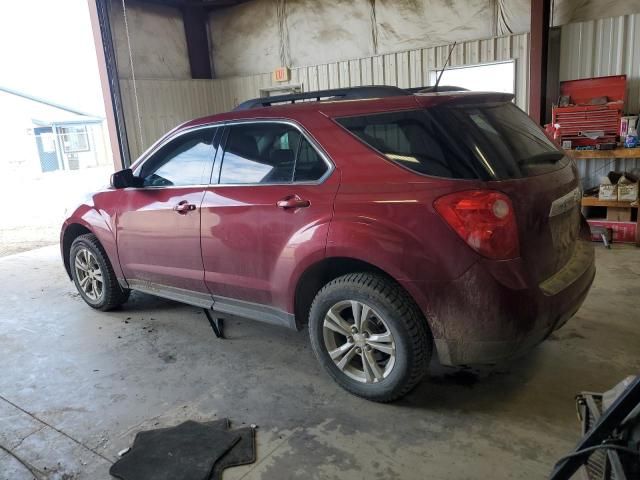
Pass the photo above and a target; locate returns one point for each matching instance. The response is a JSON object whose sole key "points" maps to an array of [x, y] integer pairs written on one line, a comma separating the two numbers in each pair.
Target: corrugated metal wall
{"points": [[166, 103], [609, 46], [593, 169]]}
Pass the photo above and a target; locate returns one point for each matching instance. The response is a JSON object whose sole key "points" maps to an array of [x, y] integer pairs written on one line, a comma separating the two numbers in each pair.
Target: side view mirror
{"points": [[125, 178]]}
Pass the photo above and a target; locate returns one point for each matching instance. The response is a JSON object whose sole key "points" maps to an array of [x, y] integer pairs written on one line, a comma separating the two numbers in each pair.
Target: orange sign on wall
{"points": [[281, 74]]}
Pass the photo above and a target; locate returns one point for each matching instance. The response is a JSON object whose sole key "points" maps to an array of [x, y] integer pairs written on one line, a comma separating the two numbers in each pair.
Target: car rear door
{"points": [[158, 224], [267, 211]]}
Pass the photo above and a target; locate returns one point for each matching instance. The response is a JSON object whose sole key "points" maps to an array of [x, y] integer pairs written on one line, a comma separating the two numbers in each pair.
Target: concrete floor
{"points": [[76, 385]]}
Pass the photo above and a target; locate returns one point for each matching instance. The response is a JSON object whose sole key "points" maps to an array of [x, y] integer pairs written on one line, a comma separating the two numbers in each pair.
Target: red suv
{"points": [[390, 223]]}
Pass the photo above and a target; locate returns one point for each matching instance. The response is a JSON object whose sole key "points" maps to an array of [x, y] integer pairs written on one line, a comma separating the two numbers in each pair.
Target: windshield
{"points": [[492, 141]]}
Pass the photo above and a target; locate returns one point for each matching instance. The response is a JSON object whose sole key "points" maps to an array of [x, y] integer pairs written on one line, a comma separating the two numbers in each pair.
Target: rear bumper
{"points": [[476, 319]]}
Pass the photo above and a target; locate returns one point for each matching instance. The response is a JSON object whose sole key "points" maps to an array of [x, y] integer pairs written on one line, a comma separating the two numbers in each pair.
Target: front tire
{"points": [[93, 274], [370, 336]]}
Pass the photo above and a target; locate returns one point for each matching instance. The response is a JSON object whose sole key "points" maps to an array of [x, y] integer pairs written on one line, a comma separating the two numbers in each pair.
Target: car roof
{"points": [[344, 108]]}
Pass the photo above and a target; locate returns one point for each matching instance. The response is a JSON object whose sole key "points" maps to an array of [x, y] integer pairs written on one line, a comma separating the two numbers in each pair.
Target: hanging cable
{"points": [[503, 18], [133, 75]]}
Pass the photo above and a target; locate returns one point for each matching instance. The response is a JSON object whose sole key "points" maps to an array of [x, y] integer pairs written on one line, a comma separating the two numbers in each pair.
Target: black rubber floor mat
{"points": [[185, 452], [222, 424], [242, 453]]}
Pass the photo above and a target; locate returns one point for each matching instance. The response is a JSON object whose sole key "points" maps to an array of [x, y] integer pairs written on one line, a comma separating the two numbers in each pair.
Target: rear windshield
{"points": [[489, 141]]}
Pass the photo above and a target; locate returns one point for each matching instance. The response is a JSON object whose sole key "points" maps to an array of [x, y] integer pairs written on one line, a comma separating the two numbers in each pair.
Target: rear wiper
{"points": [[547, 157]]}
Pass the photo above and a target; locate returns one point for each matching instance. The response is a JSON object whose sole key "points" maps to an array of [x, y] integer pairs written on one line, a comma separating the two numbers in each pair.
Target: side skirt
{"points": [[254, 311], [197, 299], [230, 306]]}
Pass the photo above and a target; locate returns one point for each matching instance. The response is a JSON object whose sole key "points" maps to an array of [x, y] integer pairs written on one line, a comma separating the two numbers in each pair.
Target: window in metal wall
{"points": [[487, 77], [74, 138]]}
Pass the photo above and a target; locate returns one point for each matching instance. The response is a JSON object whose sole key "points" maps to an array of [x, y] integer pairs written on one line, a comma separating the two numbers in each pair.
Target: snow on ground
{"points": [[34, 207]]}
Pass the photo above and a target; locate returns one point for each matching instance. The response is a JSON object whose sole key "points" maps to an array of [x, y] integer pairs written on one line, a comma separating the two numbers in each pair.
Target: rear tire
{"points": [[369, 335], [93, 274]]}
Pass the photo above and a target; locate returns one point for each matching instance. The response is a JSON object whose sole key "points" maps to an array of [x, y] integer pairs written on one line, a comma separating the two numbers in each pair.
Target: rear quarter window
{"points": [[486, 141]]}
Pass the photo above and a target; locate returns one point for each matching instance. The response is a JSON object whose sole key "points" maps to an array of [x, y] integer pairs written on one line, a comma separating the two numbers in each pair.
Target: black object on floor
{"points": [[612, 429], [185, 452], [242, 453], [217, 323]]}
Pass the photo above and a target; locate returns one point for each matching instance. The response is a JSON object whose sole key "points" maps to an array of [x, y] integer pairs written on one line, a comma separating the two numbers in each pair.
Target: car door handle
{"points": [[184, 207], [293, 202]]}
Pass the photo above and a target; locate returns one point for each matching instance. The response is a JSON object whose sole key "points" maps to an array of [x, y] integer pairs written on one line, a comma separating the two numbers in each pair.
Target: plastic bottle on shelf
{"points": [[631, 140]]}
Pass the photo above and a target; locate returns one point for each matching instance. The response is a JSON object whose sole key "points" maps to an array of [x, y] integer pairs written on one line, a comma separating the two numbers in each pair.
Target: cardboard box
{"points": [[619, 214], [627, 192], [608, 192], [623, 232]]}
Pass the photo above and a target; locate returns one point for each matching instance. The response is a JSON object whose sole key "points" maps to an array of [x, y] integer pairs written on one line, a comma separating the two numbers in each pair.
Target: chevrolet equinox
{"points": [[391, 224]]}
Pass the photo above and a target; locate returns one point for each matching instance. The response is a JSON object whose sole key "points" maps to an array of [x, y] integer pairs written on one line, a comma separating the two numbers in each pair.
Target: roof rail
{"points": [[439, 88], [353, 93]]}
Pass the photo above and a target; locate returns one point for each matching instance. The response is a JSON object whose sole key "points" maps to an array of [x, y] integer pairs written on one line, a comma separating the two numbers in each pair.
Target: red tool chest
{"points": [[581, 116]]}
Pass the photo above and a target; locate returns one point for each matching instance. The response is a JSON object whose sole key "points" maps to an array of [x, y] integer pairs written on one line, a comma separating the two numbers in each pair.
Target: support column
{"points": [[538, 55], [195, 20], [99, 14]]}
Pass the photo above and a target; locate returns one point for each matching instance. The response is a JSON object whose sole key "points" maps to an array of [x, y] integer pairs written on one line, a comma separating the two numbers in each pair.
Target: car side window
{"points": [[186, 160], [310, 166], [413, 139], [259, 153], [269, 153], [387, 136]]}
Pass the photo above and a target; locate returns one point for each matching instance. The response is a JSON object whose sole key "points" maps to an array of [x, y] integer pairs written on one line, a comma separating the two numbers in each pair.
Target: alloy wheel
{"points": [[359, 341], [89, 274]]}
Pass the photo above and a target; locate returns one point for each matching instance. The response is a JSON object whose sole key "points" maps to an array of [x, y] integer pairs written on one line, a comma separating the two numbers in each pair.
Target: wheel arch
{"points": [[71, 232], [322, 272]]}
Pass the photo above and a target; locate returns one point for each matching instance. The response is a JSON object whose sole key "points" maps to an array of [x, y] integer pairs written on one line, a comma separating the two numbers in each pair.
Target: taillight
{"points": [[484, 219]]}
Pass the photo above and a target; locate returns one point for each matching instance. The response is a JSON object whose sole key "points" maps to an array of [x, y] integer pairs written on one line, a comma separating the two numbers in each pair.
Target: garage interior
{"points": [[77, 385]]}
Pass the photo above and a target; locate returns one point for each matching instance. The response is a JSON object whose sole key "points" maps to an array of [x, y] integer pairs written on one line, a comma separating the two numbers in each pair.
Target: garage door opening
{"points": [[55, 146]]}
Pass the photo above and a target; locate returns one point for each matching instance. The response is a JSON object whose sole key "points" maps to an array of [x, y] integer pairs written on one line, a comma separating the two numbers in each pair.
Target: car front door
{"points": [[269, 207], [158, 224]]}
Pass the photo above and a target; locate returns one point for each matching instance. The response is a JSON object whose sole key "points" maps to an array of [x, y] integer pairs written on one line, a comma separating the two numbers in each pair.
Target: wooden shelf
{"points": [[594, 202], [617, 153]]}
